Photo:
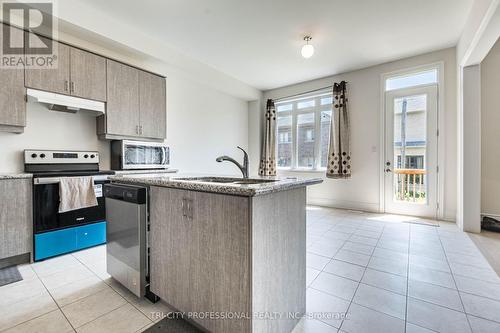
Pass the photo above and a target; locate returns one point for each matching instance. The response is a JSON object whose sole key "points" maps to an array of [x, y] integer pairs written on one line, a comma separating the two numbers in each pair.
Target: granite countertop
{"points": [[21, 175], [194, 183]]}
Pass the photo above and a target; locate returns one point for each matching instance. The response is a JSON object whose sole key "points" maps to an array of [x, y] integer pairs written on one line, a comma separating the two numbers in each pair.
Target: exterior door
{"points": [[411, 151]]}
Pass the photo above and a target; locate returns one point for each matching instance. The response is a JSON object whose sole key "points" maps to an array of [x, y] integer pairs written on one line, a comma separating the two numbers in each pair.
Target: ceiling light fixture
{"points": [[307, 50]]}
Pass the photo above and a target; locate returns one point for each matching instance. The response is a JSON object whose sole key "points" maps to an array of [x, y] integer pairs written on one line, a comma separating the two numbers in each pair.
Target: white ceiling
{"points": [[259, 41]]}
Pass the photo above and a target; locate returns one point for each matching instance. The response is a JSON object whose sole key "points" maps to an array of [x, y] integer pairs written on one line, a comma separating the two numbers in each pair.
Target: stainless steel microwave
{"points": [[133, 155]]}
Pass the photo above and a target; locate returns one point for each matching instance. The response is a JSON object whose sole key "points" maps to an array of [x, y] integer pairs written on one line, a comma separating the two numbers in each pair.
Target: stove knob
{"points": [[34, 155], [42, 155], [92, 156], [86, 156]]}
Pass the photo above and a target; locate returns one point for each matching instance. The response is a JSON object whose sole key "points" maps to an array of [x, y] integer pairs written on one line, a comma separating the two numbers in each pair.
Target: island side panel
{"points": [[279, 258], [202, 264]]}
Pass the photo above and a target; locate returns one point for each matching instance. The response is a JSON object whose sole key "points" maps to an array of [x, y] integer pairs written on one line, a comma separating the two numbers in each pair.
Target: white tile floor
{"points": [[392, 276], [387, 275], [73, 293]]}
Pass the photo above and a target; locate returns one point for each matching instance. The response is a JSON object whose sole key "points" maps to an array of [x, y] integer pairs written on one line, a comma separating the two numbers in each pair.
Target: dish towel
{"points": [[76, 193]]}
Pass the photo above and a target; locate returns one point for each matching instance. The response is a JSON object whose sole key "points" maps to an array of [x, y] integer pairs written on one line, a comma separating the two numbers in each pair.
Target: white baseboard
{"points": [[495, 216], [354, 205]]}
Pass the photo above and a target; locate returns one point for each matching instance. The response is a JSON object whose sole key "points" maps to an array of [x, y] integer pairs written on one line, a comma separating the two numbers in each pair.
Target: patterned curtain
{"points": [[268, 159], [339, 154]]}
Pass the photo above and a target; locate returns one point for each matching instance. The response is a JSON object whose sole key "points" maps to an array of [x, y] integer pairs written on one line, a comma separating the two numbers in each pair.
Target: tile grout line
{"points": [[407, 277], [359, 283], [322, 270], [126, 300], [453, 277], [53, 299]]}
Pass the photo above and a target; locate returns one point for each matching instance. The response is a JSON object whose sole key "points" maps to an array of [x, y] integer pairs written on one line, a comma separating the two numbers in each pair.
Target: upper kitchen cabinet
{"points": [[136, 104], [152, 105], [12, 92], [78, 73], [88, 75], [122, 109], [56, 80]]}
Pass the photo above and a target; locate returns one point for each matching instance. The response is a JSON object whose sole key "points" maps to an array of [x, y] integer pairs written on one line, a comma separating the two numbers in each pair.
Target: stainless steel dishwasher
{"points": [[127, 250]]}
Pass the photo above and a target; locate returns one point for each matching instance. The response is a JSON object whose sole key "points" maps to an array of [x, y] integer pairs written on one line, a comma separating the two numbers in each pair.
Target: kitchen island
{"points": [[230, 253]]}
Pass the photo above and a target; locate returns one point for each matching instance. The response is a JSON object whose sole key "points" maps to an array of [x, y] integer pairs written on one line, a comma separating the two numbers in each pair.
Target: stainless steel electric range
{"points": [[58, 233]]}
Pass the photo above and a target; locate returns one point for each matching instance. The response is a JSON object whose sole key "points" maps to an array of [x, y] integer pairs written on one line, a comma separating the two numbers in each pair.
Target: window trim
{"points": [[294, 113]]}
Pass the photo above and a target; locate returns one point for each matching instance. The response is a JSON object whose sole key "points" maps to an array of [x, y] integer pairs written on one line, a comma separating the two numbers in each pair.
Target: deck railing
{"points": [[410, 185]]}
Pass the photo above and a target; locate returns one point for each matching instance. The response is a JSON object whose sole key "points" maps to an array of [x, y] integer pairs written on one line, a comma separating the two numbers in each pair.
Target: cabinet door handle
{"points": [[187, 208], [190, 209], [66, 85], [72, 88], [184, 208]]}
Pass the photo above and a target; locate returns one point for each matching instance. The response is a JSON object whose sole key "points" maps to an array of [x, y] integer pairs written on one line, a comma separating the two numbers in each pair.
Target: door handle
{"points": [[66, 85], [388, 170]]}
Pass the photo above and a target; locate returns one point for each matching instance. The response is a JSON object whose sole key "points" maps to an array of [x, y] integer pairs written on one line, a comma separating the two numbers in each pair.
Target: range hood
{"points": [[63, 103]]}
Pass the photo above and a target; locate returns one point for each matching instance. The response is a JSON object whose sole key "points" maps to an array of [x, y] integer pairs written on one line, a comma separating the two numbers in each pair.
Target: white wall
{"points": [[362, 191], [490, 132], [203, 122], [470, 114], [480, 33], [50, 130]]}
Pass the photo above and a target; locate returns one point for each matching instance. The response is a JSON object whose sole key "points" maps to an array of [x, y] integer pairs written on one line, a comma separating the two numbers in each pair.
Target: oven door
{"points": [[46, 216], [145, 155]]}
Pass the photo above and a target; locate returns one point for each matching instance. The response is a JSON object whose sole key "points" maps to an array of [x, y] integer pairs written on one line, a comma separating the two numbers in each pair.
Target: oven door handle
{"points": [[56, 180], [43, 181], [164, 157]]}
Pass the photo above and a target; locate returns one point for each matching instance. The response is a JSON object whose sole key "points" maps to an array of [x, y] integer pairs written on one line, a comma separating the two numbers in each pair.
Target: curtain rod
{"points": [[304, 93]]}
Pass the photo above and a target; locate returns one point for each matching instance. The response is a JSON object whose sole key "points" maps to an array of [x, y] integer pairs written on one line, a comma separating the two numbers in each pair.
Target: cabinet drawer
{"points": [[90, 235], [53, 243]]}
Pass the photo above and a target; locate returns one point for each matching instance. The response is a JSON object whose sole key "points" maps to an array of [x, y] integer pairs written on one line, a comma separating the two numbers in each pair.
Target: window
{"points": [[412, 162], [412, 80], [303, 131], [284, 146]]}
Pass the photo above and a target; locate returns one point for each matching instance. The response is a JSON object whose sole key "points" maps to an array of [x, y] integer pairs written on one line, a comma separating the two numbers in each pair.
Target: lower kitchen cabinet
{"points": [[200, 255], [16, 223], [230, 256]]}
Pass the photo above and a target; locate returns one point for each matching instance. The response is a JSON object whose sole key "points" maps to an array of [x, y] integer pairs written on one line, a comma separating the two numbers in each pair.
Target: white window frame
{"points": [[294, 113]]}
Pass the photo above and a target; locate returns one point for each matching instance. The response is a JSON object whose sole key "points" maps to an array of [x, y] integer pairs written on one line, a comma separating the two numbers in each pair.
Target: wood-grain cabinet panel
{"points": [[15, 217], [122, 110], [12, 92], [201, 264], [88, 75]]}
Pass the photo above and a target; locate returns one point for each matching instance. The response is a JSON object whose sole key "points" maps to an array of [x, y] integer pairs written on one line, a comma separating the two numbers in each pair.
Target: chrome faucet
{"points": [[243, 168]]}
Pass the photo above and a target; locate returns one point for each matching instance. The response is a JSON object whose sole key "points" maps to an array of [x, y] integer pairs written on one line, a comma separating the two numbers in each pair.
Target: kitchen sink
{"points": [[227, 180], [254, 181]]}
